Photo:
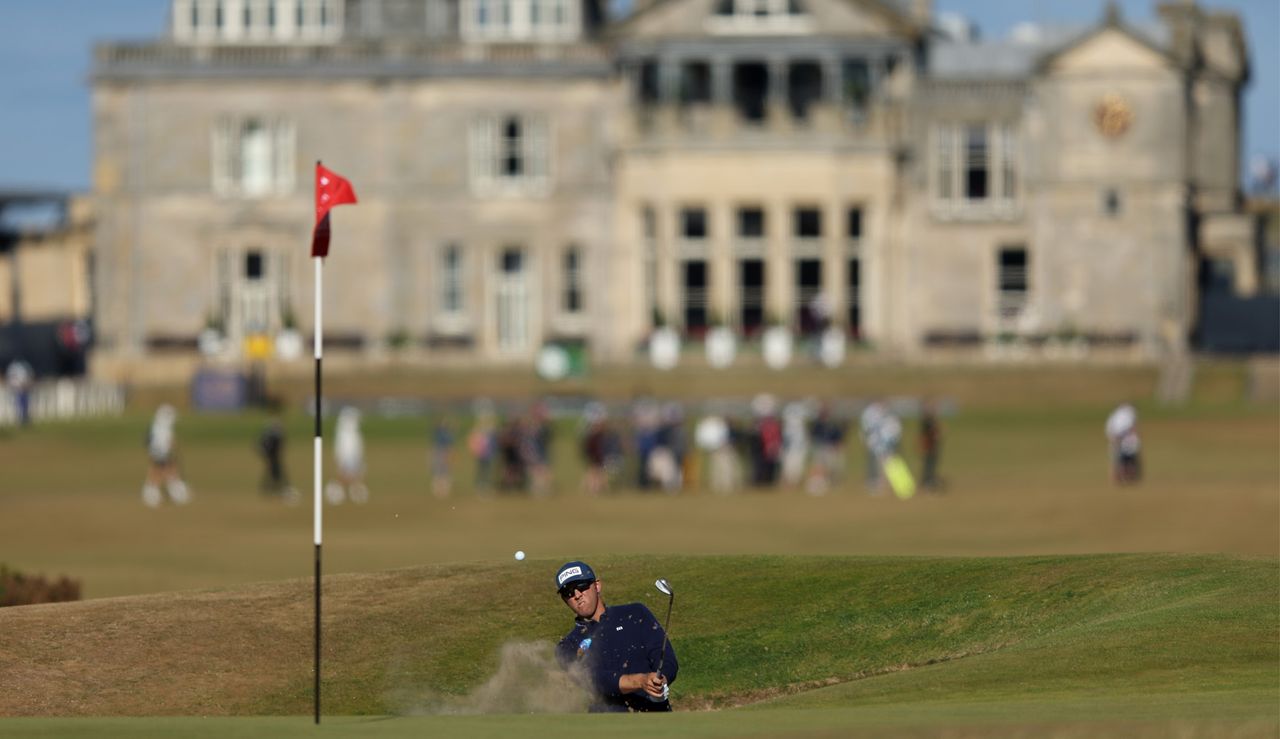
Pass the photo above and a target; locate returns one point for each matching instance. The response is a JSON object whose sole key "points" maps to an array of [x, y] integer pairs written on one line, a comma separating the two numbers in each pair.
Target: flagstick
{"points": [[331, 190], [317, 450]]}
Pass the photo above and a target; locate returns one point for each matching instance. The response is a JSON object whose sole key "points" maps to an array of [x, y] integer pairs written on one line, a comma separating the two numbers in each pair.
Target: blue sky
{"points": [[45, 61]]}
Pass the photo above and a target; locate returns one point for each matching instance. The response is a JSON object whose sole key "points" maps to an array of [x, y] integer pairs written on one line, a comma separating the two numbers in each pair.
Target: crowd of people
{"points": [[654, 446], [647, 445]]}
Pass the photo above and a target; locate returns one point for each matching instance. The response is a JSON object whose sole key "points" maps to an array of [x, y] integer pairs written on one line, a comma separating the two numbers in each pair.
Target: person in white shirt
{"points": [[18, 376], [348, 451], [1124, 445], [163, 456]]}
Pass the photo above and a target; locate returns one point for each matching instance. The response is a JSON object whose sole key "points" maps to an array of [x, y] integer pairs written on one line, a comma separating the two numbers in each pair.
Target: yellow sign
{"points": [[257, 346]]}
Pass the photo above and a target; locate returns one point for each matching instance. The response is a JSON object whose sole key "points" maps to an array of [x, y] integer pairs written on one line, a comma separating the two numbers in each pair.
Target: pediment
{"points": [[706, 18], [1106, 50]]}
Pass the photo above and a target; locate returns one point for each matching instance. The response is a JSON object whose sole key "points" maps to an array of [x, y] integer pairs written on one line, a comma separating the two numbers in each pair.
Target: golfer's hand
{"points": [[655, 687]]}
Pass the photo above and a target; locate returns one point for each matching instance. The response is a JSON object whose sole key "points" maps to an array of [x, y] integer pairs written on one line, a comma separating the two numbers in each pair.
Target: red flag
{"points": [[332, 190]]}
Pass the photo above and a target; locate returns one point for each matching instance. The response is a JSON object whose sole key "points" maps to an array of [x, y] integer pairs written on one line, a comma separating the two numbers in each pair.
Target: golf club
{"points": [[664, 587]]}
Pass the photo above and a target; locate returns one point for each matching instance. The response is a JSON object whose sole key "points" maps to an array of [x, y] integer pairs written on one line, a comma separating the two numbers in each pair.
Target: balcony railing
{"points": [[825, 124], [113, 59]]}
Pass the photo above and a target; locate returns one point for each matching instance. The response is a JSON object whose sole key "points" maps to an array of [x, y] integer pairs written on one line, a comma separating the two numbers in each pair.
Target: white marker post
{"points": [[317, 469]]}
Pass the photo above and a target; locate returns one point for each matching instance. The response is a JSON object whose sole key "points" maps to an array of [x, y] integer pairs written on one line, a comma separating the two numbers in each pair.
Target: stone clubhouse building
{"points": [[535, 171]]}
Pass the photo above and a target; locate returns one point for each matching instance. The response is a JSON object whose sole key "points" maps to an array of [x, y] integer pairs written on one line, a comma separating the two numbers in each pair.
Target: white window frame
{"points": [[811, 244], [450, 278], [1011, 307], [515, 302], [554, 20], [571, 280], [949, 152], [520, 20], [304, 21], [760, 16], [490, 146], [228, 155], [193, 20], [1006, 156], [688, 246], [238, 300], [564, 321]]}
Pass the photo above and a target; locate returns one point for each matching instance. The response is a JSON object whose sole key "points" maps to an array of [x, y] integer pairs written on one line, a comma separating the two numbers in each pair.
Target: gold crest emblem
{"points": [[1112, 115]]}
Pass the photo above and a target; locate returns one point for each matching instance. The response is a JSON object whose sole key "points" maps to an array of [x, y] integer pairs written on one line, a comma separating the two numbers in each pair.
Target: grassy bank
{"points": [[836, 643]]}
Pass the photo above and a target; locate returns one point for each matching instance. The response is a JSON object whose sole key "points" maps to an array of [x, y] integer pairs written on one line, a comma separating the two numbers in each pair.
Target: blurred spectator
{"points": [[888, 436], [795, 442], [930, 447], [595, 449], [646, 421], [886, 442], [162, 451], [513, 474], [666, 460], [827, 469], [18, 376], [348, 447], [820, 310], [815, 318], [713, 436], [1124, 444], [536, 445], [441, 458], [483, 444], [615, 452], [766, 442], [275, 480], [870, 423]]}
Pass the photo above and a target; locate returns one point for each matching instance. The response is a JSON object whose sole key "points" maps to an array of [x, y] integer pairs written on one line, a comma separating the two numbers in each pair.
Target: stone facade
{"points": [[44, 272], [46, 299], [530, 172]]}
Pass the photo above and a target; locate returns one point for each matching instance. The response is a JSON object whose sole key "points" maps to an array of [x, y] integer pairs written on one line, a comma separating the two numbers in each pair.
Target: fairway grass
{"points": [[952, 721], [1021, 482], [786, 646]]}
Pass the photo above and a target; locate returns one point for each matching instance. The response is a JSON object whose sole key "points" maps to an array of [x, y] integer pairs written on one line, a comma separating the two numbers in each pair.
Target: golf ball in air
{"points": [[520, 555]]}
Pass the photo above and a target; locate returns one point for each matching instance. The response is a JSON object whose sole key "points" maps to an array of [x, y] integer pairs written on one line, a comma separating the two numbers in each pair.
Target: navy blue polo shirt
{"points": [[627, 639]]}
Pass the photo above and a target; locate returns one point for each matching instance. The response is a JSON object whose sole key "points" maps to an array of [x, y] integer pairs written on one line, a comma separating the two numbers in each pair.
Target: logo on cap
{"points": [[568, 573]]}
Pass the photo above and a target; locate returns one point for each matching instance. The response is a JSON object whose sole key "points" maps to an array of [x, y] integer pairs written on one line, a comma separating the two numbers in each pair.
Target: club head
{"points": [[663, 586]]}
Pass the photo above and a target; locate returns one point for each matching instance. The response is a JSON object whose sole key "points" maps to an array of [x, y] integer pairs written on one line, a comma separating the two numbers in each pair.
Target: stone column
{"points": [[723, 113], [720, 260], [778, 114], [835, 258], [777, 261], [667, 261]]}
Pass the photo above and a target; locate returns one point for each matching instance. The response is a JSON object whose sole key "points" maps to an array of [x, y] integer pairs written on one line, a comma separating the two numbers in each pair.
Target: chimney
{"points": [[1181, 17]]}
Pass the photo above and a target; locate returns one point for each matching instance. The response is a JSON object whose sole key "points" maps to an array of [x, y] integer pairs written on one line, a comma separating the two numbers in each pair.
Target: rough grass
{"points": [[907, 641]]}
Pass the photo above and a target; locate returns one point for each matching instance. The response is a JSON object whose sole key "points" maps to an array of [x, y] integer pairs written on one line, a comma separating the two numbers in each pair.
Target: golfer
{"points": [[618, 651]]}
